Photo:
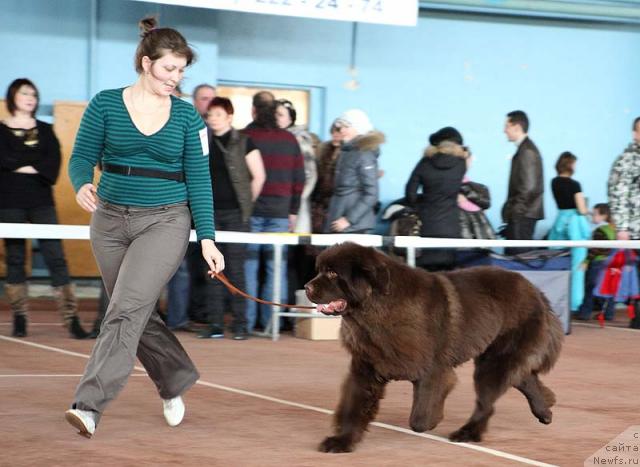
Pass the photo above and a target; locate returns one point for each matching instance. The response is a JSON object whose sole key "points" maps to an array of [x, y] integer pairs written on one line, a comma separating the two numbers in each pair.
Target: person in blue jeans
{"points": [[276, 208], [252, 264], [178, 299]]}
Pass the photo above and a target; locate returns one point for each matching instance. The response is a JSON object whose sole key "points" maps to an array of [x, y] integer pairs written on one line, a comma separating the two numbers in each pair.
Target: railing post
{"points": [[277, 287], [411, 256]]}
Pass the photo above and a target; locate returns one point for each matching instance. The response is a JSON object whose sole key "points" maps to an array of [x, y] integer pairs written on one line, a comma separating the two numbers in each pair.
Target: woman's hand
{"points": [[212, 256], [340, 224], [293, 218], [86, 197]]}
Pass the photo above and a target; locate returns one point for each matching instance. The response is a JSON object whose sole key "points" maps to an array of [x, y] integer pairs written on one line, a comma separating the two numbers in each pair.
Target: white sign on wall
{"points": [[396, 12]]}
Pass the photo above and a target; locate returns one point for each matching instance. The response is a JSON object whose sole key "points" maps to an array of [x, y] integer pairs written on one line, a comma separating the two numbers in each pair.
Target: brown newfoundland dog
{"points": [[401, 323]]}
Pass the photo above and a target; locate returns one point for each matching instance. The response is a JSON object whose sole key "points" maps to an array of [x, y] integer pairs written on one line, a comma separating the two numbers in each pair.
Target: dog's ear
{"points": [[378, 273]]}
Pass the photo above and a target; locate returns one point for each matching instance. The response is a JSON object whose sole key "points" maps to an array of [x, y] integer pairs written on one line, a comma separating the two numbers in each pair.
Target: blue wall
{"points": [[578, 82]]}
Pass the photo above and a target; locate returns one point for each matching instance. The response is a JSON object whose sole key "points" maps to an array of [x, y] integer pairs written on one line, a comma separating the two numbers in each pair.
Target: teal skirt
{"points": [[571, 225]]}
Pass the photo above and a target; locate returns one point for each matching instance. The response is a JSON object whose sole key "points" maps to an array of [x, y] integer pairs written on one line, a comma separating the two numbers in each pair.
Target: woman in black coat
{"points": [[439, 174], [29, 167]]}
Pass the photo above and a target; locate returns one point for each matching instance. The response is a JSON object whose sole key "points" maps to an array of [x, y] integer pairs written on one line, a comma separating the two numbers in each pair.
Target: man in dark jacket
{"points": [[524, 205]]}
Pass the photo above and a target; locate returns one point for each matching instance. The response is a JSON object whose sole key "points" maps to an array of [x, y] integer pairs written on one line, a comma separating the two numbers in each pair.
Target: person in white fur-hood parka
{"points": [[352, 206]]}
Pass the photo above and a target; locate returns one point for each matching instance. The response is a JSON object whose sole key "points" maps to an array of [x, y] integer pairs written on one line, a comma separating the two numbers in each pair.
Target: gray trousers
{"points": [[137, 250]]}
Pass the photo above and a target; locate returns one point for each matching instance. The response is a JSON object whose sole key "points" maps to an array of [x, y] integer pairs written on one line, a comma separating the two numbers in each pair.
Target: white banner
{"points": [[396, 12]]}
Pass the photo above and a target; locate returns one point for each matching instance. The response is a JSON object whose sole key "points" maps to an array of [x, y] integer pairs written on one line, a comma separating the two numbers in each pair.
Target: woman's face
{"points": [[163, 75], [26, 99], [336, 136], [348, 133], [218, 119], [468, 161], [283, 119]]}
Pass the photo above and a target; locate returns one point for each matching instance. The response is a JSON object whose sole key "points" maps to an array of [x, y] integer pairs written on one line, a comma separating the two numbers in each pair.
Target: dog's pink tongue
{"points": [[331, 307]]}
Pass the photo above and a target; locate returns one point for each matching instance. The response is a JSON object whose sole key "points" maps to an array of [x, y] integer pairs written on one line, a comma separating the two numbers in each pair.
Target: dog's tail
{"points": [[552, 337]]}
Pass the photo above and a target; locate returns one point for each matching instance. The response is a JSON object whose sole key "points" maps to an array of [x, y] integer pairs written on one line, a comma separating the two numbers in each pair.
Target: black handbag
{"points": [[474, 224], [477, 193]]}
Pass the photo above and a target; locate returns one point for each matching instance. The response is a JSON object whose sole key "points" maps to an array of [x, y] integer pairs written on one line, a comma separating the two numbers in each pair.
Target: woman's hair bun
{"points": [[147, 25]]}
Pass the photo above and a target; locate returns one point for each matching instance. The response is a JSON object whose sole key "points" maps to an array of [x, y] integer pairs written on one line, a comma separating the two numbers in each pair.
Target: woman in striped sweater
{"points": [[154, 151]]}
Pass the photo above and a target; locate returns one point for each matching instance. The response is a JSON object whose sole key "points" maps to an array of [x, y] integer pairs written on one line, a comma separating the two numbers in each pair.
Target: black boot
{"points": [[75, 329], [95, 332], [635, 321], [19, 326], [17, 296], [68, 307]]}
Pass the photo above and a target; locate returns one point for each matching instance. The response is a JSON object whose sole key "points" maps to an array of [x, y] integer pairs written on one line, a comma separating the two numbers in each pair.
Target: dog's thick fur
{"points": [[401, 323]]}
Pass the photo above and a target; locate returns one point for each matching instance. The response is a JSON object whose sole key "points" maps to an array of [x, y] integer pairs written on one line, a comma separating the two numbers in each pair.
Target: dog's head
{"points": [[348, 276]]}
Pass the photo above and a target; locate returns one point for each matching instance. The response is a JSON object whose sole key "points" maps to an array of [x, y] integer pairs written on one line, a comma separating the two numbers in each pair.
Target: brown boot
{"points": [[68, 307], [17, 296]]}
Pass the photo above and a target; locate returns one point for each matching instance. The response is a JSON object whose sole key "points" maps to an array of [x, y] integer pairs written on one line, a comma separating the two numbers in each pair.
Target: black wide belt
{"points": [[140, 172]]}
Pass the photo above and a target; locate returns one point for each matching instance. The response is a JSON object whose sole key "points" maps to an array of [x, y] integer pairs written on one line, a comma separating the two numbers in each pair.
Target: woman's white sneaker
{"points": [[83, 420], [173, 410]]}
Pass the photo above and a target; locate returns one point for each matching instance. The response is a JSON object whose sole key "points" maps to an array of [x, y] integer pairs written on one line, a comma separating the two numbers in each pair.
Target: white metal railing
{"points": [[279, 240]]}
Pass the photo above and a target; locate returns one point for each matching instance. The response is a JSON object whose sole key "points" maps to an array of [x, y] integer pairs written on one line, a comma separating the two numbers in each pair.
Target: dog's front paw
{"points": [[545, 416], [336, 444], [422, 424], [466, 434], [418, 426]]}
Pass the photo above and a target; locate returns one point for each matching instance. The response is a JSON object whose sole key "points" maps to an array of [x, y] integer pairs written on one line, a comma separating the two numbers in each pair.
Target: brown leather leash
{"points": [[236, 291]]}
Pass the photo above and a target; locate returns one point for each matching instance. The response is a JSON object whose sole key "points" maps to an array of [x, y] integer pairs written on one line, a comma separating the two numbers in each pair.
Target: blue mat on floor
{"points": [[536, 260]]}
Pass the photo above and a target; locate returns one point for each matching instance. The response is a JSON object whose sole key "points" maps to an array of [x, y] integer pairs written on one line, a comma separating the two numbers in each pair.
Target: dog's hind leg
{"points": [[540, 397], [491, 379], [429, 394]]}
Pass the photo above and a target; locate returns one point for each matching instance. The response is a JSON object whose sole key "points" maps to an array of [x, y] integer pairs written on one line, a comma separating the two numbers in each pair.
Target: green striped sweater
{"points": [[108, 133]]}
